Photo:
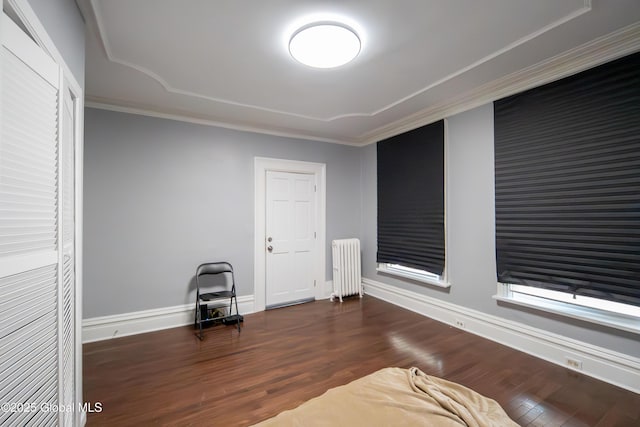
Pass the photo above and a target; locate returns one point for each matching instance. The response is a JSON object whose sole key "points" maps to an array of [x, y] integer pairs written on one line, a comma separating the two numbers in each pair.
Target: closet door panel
{"points": [[29, 230]]}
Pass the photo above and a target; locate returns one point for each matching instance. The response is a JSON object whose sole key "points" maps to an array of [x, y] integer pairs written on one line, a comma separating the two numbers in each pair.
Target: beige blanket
{"points": [[396, 397]]}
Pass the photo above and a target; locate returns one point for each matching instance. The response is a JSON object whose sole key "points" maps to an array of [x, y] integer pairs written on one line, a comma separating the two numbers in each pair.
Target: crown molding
{"points": [[167, 87], [599, 51], [596, 52], [563, 20], [113, 105]]}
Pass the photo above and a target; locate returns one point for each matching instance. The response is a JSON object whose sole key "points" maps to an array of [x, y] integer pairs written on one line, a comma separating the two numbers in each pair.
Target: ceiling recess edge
{"points": [[101, 34], [609, 47]]}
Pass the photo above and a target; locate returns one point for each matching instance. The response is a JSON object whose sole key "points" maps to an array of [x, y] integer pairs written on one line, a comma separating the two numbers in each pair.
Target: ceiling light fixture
{"points": [[324, 45]]}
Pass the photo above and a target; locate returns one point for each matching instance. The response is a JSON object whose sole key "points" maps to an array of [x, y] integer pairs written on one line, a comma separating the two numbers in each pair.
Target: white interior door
{"points": [[290, 237]]}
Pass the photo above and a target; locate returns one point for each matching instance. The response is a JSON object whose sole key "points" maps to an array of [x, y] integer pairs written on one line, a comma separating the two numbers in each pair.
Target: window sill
{"points": [[593, 315], [413, 276]]}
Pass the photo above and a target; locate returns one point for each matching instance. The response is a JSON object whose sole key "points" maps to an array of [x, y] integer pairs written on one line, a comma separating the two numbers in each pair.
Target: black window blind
{"points": [[567, 184], [411, 199]]}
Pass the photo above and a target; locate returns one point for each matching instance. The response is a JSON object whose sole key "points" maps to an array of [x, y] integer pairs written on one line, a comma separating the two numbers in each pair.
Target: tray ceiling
{"points": [[226, 62]]}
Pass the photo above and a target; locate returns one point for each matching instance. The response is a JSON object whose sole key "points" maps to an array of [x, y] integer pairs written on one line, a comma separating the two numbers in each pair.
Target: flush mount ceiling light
{"points": [[324, 45]]}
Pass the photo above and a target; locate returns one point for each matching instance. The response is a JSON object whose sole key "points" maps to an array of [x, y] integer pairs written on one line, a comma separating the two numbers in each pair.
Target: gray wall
{"points": [[65, 26], [471, 240], [163, 196]]}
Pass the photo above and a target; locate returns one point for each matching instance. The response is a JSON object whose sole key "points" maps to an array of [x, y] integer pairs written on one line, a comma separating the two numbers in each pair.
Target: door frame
{"points": [[261, 166]]}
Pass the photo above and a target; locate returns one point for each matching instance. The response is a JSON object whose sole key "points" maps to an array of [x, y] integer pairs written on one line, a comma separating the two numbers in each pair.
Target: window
{"points": [[411, 237], [577, 300], [413, 274], [567, 179]]}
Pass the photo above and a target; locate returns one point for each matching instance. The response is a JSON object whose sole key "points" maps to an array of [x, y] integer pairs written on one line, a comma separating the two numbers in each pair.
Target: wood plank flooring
{"points": [[285, 357]]}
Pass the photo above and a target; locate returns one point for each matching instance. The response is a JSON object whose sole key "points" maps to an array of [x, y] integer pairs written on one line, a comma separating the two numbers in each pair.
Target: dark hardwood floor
{"points": [[284, 357]]}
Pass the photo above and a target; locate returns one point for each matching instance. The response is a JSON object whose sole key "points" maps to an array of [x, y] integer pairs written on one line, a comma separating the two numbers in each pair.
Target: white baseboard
{"points": [[120, 325], [328, 289], [615, 368]]}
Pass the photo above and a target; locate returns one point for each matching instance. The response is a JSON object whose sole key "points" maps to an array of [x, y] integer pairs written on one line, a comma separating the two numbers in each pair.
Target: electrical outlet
{"points": [[574, 363], [460, 323]]}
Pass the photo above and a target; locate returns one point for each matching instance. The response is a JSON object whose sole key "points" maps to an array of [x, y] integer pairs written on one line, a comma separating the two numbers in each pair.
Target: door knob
{"points": [[269, 239], [270, 248]]}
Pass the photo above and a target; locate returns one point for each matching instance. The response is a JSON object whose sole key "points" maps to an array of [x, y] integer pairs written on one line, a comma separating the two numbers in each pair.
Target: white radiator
{"points": [[347, 279]]}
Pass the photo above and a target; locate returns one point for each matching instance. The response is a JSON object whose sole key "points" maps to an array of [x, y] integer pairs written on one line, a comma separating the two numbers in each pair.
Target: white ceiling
{"points": [[226, 62]]}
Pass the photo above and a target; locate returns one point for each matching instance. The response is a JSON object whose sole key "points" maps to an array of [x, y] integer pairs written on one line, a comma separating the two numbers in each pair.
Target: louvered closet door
{"points": [[28, 230]]}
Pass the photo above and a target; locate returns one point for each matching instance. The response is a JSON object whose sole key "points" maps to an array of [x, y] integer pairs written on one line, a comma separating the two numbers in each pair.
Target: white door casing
{"points": [[67, 271], [317, 262], [290, 242]]}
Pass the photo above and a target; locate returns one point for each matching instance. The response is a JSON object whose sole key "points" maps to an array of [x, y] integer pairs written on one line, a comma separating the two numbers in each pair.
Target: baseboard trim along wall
{"points": [[328, 289], [121, 325], [615, 368]]}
